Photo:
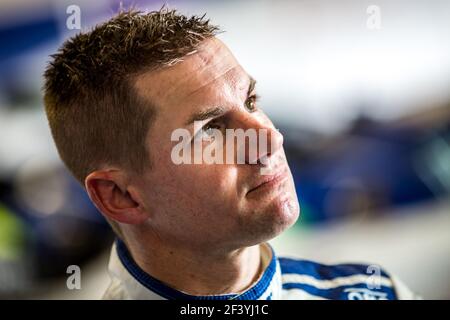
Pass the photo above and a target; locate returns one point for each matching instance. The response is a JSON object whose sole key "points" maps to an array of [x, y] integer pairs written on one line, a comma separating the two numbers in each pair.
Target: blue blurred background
{"points": [[365, 112]]}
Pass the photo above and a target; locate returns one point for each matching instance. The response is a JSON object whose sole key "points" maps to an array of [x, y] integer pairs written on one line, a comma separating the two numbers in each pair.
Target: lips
{"points": [[268, 181]]}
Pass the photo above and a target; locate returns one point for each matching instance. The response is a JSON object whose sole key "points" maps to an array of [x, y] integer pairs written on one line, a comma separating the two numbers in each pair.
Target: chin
{"points": [[272, 221], [285, 215]]}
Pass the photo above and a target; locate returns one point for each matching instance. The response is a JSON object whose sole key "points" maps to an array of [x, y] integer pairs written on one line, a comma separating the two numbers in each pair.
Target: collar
{"points": [[130, 281]]}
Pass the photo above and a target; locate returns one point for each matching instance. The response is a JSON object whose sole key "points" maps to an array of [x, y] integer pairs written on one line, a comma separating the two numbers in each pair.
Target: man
{"points": [[114, 97]]}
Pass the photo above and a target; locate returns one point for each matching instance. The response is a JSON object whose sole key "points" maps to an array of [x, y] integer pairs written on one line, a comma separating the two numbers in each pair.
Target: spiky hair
{"points": [[94, 112]]}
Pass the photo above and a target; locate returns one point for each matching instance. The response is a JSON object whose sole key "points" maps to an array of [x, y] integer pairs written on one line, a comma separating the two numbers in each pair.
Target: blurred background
{"points": [[360, 89]]}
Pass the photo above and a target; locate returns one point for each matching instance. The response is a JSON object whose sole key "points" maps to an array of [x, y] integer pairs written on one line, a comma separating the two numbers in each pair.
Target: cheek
{"points": [[200, 197], [196, 182], [208, 183], [195, 187]]}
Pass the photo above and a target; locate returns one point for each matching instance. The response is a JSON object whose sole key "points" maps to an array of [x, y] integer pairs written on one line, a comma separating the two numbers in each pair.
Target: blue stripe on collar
{"points": [[153, 284]]}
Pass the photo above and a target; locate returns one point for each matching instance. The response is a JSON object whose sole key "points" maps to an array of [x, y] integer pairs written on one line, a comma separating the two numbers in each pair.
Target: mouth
{"points": [[267, 182]]}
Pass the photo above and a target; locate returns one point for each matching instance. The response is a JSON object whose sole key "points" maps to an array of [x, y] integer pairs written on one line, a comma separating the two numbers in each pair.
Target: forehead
{"points": [[211, 65]]}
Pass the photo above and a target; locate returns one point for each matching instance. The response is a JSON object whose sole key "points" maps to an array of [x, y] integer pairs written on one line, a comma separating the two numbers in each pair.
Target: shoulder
{"points": [[328, 271], [309, 279]]}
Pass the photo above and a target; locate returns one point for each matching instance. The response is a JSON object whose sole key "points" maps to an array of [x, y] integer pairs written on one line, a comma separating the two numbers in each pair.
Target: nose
{"points": [[262, 140]]}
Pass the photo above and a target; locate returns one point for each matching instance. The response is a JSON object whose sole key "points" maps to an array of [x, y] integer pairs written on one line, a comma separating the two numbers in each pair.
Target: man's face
{"points": [[204, 205]]}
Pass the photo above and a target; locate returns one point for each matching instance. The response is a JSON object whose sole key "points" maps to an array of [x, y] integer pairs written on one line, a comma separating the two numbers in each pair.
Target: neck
{"points": [[196, 271]]}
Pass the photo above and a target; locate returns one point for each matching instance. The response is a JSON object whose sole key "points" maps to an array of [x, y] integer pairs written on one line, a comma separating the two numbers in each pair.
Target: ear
{"points": [[114, 198]]}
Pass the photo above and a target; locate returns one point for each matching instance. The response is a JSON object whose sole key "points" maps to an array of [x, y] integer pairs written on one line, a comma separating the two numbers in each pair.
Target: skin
{"points": [[197, 227]]}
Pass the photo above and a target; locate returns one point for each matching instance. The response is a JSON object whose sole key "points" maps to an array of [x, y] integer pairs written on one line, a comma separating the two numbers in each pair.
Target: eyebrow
{"points": [[218, 111], [202, 115], [251, 86]]}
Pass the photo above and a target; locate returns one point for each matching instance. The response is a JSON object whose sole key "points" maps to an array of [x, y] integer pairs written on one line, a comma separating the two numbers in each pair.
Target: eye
{"points": [[208, 130], [250, 103]]}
